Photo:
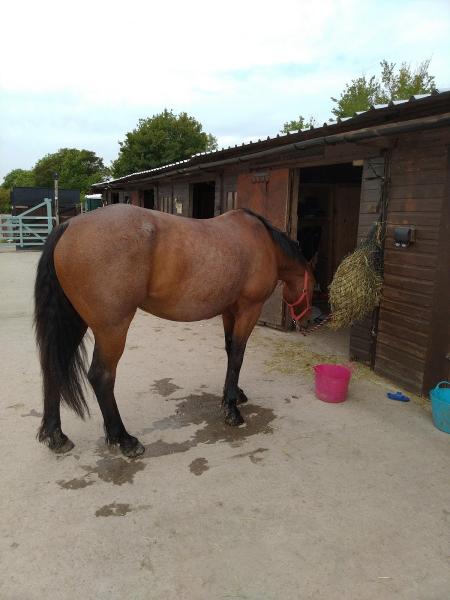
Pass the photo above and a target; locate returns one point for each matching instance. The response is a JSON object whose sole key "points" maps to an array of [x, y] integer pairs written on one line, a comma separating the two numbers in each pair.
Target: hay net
{"points": [[356, 287]]}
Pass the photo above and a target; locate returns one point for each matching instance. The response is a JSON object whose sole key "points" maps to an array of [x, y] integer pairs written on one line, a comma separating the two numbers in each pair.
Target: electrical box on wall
{"points": [[404, 236]]}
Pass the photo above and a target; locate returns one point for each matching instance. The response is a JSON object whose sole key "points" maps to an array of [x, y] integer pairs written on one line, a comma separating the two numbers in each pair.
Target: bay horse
{"points": [[98, 268]]}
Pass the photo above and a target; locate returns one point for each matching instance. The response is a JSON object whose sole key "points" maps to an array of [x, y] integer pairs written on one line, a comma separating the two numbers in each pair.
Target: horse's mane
{"points": [[290, 247]]}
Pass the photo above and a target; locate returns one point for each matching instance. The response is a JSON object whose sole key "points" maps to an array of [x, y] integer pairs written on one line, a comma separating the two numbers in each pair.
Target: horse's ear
{"points": [[313, 262]]}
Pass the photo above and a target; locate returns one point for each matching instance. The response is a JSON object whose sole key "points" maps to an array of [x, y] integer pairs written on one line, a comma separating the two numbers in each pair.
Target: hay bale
{"points": [[356, 287]]}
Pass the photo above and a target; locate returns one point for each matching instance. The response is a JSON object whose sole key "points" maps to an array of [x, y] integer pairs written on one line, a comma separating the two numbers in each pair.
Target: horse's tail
{"points": [[59, 336]]}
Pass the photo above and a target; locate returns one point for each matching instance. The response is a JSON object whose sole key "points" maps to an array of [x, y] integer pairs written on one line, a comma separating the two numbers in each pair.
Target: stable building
{"points": [[326, 187]]}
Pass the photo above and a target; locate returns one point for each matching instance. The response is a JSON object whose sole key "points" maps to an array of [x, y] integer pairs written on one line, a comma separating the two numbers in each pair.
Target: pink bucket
{"points": [[332, 382]]}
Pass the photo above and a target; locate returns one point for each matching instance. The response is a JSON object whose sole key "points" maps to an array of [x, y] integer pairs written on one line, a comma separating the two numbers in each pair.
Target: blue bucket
{"points": [[440, 406]]}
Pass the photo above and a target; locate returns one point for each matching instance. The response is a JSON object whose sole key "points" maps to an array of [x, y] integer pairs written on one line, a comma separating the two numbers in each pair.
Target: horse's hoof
{"points": [[242, 398], [234, 419], [59, 443], [66, 447], [133, 448]]}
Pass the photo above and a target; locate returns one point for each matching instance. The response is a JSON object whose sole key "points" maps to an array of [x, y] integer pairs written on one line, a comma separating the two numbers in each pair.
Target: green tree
{"points": [[77, 169], [406, 82], [5, 206], [392, 84], [159, 140], [18, 178], [297, 124]]}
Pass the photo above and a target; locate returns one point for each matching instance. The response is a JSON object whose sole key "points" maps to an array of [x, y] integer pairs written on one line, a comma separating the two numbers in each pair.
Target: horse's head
{"points": [[298, 292]]}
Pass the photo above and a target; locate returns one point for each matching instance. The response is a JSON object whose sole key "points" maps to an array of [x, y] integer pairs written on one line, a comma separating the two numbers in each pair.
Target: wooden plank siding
{"points": [[417, 187], [136, 197], [180, 192], [165, 197], [229, 191], [362, 333], [437, 365]]}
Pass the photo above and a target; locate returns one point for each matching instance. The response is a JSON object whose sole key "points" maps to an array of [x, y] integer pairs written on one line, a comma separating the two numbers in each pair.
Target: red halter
{"points": [[302, 297]]}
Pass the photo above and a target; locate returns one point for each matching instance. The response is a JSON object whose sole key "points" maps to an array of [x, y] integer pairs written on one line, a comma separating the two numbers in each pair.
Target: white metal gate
{"points": [[28, 229]]}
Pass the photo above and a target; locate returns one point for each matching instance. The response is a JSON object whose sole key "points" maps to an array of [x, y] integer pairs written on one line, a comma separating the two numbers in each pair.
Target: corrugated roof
{"points": [[391, 110]]}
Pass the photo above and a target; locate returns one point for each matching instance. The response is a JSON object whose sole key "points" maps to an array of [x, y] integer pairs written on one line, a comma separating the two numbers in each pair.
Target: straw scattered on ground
{"points": [[295, 358]]}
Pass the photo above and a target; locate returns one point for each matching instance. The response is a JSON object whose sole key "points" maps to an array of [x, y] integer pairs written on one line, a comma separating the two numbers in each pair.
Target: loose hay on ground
{"points": [[295, 358]]}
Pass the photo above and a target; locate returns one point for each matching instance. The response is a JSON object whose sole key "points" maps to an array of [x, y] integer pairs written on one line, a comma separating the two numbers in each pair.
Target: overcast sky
{"points": [[81, 74]]}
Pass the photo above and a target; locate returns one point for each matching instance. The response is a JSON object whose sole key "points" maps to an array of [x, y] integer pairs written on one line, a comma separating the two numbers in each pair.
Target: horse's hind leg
{"points": [[50, 430], [109, 346], [245, 320], [228, 326]]}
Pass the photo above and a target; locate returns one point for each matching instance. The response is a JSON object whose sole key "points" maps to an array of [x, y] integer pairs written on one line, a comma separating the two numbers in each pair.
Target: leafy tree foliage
{"points": [[15, 178], [77, 169], [406, 82], [297, 124], [5, 206], [18, 178], [159, 140], [392, 84]]}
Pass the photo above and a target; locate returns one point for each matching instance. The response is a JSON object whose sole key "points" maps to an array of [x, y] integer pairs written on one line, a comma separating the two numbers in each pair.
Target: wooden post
{"points": [[55, 178]]}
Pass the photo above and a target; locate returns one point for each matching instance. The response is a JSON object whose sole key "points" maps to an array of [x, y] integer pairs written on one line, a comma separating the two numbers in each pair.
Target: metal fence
{"points": [[28, 229]]}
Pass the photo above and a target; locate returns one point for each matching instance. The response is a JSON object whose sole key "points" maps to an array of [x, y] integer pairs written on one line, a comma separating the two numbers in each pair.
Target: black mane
{"points": [[290, 247]]}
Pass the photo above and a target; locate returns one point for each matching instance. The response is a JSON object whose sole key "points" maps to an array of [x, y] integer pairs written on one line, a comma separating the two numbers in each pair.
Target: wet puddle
{"points": [[164, 387], [32, 413], [115, 469], [205, 409], [199, 466], [74, 484], [117, 509]]}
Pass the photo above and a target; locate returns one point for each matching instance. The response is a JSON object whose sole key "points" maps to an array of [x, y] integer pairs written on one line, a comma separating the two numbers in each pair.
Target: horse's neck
{"points": [[289, 270]]}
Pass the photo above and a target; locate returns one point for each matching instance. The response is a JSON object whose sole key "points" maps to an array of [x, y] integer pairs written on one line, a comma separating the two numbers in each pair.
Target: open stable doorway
{"points": [[149, 199], [327, 220], [203, 200]]}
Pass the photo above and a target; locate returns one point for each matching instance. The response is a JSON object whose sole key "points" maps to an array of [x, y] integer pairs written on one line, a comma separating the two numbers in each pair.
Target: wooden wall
{"points": [[181, 196], [136, 197], [229, 191], [165, 197], [437, 364], [418, 195]]}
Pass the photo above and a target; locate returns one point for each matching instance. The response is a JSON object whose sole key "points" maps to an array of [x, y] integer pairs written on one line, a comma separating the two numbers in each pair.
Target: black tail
{"points": [[59, 335]]}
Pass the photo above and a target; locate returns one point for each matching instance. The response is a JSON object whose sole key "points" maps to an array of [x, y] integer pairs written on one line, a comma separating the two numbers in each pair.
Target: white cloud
{"points": [[86, 76]]}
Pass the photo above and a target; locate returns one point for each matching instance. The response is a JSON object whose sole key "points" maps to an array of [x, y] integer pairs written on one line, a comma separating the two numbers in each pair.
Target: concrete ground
{"points": [[306, 501]]}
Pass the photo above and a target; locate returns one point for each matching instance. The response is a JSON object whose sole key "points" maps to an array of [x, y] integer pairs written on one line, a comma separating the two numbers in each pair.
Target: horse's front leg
{"points": [[228, 326], [244, 322]]}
